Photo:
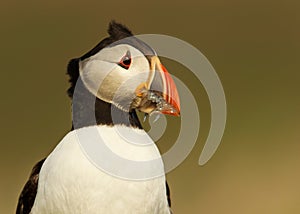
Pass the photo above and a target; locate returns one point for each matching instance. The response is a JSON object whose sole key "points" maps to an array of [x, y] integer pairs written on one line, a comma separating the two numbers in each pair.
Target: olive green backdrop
{"points": [[255, 49]]}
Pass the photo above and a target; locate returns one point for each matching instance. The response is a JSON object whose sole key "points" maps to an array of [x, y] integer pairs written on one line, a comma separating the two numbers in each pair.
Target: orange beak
{"points": [[160, 80]]}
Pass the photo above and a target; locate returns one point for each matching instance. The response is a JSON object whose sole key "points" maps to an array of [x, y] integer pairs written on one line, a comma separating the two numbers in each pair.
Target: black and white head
{"points": [[125, 73]]}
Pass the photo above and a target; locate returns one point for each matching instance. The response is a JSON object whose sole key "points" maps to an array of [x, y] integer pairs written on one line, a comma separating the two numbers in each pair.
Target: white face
{"points": [[109, 81]]}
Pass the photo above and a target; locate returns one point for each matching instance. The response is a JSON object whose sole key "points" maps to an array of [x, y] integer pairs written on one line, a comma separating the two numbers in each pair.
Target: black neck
{"points": [[88, 111]]}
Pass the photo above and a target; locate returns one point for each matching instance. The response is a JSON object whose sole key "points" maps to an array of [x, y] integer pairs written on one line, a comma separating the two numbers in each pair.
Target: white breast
{"points": [[71, 182]]}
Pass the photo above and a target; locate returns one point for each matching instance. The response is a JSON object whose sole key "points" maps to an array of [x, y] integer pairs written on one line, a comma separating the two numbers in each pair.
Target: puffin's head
{"points": [[126, 72]]}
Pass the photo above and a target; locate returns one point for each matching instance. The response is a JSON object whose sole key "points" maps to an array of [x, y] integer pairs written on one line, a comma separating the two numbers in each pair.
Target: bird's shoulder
{"points": [[29, 191]]}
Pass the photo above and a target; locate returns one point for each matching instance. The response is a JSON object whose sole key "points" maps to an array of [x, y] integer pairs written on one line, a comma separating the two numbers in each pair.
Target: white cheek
{"points": [[123, 83], [110, 82], [93, 74]]}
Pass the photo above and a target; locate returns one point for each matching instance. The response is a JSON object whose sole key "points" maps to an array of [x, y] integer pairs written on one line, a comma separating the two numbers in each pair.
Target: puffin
{"points": [[107, 163]]}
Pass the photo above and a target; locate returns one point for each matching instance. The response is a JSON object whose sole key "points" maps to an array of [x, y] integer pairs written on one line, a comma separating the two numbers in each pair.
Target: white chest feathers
{"points": [[74, 180]]}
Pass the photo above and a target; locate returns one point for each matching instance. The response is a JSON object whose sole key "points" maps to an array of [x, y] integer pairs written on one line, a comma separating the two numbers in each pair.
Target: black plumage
{"points": [[29, 191]]}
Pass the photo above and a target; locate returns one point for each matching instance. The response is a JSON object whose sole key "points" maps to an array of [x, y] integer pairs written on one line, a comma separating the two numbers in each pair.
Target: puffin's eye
{"points": [[125, 61]]}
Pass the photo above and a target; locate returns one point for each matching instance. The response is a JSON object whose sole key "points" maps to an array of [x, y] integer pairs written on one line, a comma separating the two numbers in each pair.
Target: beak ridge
{"points": [[170, 94], [164, 83]]}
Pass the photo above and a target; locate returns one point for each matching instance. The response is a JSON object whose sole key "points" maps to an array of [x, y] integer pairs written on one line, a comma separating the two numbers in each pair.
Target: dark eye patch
{"points": [[125, 62]]}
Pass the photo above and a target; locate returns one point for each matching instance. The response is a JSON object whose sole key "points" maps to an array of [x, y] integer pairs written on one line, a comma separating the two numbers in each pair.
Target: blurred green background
{"points": [[254, 47]]}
